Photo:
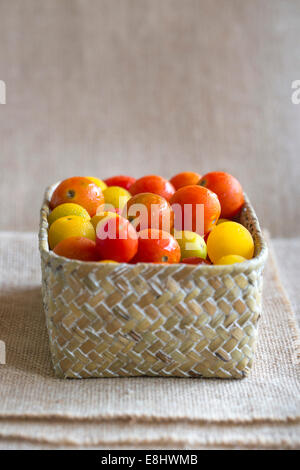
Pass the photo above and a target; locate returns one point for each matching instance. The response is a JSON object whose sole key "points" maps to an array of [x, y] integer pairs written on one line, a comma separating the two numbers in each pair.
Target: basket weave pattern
{"points": [[107, 320]]}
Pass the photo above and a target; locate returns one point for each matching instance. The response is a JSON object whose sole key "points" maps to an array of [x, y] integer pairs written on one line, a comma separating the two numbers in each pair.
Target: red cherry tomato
{"points": [[153, 184], [186, 178], [186, 204], [228, 190], [195, 261], [120, 180], [156, 246], [116, 239], [150, 211]]}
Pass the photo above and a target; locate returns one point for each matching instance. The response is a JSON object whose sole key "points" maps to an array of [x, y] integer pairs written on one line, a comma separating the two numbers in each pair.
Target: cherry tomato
{"points": [[116, 239], [148, 210], [228, 190], [156, 246], [187, 204], [195, 261], [120, 180], [153, 184], [191, 244], [231, 259], [98, 182], [186, 178], [116, 197], [70, 226], [80, 248], [229, 238], [98, 217]]}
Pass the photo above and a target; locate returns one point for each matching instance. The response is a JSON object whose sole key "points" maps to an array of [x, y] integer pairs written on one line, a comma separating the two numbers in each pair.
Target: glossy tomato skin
{"points": [[153, 184], [195, 261], [228, 190], [156, 246], [186, 178], [187, 199], [120, 180], [156, 212], [230, 238], [116, 240], [79, 190]]}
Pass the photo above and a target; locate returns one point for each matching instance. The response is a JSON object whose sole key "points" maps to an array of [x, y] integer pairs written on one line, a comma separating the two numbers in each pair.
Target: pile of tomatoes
{"points": [[187, 219]]}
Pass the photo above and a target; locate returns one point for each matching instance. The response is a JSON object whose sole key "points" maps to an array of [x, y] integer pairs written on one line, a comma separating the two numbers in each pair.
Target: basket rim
{"points": [[256, 262]]}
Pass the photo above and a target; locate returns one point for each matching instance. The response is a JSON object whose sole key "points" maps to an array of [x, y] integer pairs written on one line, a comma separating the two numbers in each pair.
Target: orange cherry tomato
{"points": [[157, 246], [79, 190], [195, 260], [80, 248], [116, 239], [187, 210], [153, 184], [228, 190], [186, 178], [207, 234], [120, 180], [148, 210]]}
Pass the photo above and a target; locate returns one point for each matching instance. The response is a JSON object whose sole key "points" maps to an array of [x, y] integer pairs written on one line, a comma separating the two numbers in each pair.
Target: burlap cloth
{"points": [[105, 87], [40, 411]]}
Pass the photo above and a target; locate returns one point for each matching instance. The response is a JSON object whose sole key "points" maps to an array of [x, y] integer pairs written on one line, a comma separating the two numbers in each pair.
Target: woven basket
{"points": [[107, 320]]}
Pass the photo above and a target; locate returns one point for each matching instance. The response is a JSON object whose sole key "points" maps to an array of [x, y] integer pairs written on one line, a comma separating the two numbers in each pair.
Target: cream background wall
{"points": [[150, 86]]}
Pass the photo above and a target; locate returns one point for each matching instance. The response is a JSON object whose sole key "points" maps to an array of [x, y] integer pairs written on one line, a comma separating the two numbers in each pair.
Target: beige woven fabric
{"points": [[102, 87], [160, 434], [262, 410]]}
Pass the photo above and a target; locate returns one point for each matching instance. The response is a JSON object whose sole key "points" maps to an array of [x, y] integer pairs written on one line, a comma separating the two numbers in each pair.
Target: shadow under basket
{"points": [[121, 320]]}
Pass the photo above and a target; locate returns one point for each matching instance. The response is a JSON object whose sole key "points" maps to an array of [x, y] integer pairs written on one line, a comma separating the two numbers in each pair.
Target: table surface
{"points": [[274, 380]]}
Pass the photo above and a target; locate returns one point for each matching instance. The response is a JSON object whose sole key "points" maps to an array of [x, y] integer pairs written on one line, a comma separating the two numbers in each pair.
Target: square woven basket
{"points": [[108, 320]]}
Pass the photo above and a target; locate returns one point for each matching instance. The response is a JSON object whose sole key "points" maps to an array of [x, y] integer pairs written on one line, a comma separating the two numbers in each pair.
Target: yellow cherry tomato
{"points": [[231, 259], [191, 244], [116, 196], [230, 238], [98, 182], [68, 208], [96, 219], [70, 226]]}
